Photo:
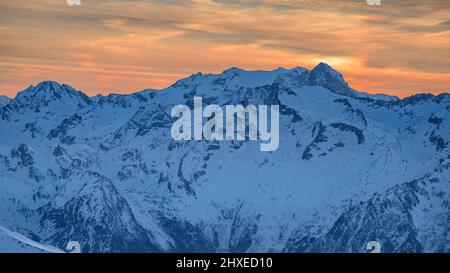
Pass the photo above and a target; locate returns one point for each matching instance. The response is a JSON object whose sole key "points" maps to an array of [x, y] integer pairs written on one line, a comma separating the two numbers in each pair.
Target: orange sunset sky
{"points": [[120, 46]]}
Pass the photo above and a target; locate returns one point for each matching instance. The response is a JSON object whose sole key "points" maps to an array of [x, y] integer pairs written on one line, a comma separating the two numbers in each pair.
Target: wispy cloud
{"points": [[401, 47]]}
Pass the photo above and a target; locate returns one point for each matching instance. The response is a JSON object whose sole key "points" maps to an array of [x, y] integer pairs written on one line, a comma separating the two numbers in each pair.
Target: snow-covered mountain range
{"points": [[104, 171]]}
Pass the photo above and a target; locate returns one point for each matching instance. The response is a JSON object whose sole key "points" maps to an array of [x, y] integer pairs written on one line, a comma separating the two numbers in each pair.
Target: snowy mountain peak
{"points": [[232, 70], [46, 93], [324, 68], [48, 85], [4, 100], [49, 88], [324, 75]]}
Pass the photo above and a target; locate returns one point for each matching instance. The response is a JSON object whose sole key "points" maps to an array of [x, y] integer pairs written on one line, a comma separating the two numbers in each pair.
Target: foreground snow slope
{"points": [[350, 168], [14, 242]]}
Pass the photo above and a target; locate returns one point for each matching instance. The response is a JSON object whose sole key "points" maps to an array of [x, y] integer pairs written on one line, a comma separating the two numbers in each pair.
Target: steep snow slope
{"points": [[11, 241], [105, 171]]}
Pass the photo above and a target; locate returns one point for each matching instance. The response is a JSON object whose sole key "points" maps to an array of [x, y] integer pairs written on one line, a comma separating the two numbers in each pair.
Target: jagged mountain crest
{"points": [[321, 75], [43, 95], [47, 91], [104, 170]]}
